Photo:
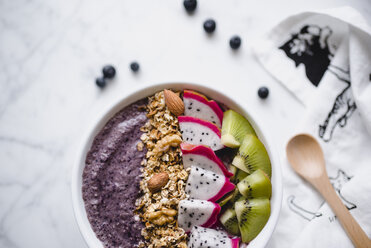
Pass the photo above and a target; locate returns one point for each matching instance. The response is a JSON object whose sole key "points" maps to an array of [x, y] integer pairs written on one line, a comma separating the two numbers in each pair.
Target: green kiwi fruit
{"points": [[234, 129], [252, 215], [226, 199], [236, 196], [256, 185], [233, 169], [252, 156], [238, 175], [232, 198], [230, 222], [229, 218]]}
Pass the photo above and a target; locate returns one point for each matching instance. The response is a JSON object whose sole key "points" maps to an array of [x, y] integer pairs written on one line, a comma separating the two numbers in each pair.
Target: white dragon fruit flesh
{"points": [[206, 185], [201, 237], [197, 105], [203, 157], [200, 132], [197, 213]]}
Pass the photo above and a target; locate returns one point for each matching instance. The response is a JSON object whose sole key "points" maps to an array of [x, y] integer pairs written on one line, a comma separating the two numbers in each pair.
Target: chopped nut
{"points": [[154, 215], [164, 144], [169, 212], [162, 220], [182, 245]]}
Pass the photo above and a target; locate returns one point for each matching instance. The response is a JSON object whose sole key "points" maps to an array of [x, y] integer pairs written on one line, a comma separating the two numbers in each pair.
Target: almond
{"points": [[157, 181], [173, 102]]}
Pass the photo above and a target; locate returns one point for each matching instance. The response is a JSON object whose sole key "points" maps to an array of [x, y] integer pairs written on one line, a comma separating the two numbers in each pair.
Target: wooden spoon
{"points": [[306, 158]]}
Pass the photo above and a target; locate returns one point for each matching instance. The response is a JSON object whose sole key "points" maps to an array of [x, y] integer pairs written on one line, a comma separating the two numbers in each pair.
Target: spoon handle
{"points": [[353, 229]]}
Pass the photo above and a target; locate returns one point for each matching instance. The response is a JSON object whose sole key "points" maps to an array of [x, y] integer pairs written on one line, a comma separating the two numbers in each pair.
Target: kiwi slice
{"points": [[256, 185], [234, 129], [252, 215], [230, 222], [252, 156], [236, 196], [238, 175], [232, 198], [226, 199], [234, 170]]}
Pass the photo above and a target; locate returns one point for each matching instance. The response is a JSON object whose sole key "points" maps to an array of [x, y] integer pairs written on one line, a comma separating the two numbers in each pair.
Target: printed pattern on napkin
{"points": [[308, 214], [324, 58], [310, 47], [343, 104]]}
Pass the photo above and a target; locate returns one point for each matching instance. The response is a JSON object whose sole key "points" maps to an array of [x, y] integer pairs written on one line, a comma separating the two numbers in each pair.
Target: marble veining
{"points": [[50, 53]]}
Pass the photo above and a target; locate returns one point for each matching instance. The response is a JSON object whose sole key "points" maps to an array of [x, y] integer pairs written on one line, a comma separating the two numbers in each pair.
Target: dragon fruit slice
{"points": [[206, 185], [197, 213], [197, 105], [200, 132], [206, 237], [203, 157]]}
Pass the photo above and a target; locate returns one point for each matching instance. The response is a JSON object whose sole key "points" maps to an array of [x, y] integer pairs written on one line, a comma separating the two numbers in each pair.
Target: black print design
{"points": [[337, 182], [342, 109], [306, 214], [310, 47]]}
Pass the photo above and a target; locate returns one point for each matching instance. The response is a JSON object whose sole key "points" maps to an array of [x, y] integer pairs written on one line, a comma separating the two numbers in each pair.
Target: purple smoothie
{"points": [[111, 178]]}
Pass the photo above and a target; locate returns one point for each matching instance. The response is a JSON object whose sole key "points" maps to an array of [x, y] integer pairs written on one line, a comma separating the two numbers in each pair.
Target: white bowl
{"points": [[78, 204]]}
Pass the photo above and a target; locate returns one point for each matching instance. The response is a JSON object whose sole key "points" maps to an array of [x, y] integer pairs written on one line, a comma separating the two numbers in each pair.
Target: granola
{"points": [[158, 211]]}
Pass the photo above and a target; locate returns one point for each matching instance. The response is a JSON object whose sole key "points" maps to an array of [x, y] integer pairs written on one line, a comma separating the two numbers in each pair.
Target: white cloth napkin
{"points": [[324, 58]]}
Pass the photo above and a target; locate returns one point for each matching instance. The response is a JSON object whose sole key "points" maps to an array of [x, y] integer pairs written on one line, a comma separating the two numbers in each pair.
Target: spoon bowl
{"points": [[305, 156]]}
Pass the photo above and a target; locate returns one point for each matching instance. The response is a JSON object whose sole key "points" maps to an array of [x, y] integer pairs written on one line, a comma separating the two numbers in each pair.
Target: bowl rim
{"points": [[131, 96]]}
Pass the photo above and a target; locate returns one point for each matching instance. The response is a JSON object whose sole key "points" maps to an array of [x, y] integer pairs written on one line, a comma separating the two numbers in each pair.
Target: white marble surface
{"points": [[50, 53]]}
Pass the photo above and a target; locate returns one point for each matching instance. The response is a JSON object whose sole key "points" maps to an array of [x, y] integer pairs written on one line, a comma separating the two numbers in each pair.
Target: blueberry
{"points": [[190, 5], [109, 71], [263, 92], [209, 26], [235, 42], [101, 82], [134, 66]]}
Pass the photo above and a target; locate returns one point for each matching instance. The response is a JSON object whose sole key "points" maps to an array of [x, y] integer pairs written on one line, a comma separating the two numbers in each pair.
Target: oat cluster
{"points": [[158, 210]]}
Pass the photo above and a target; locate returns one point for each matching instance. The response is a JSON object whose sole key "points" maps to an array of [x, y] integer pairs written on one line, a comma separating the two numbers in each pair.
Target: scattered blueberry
{"points": [[263, 92], [209, 26], [109, 71], [134, 66], [101, 82], [235, 42], [190, 5]]}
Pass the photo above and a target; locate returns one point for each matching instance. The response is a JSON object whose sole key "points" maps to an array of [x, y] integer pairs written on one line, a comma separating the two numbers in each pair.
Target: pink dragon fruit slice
{"points": [[197, 105], [201, 237], [200, 132], [203, 157], [197, 213], [206, 185]]}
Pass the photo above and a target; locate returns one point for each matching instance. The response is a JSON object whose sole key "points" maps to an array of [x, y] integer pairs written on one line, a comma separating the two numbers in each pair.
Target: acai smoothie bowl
{"points": [[177, 165]]}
